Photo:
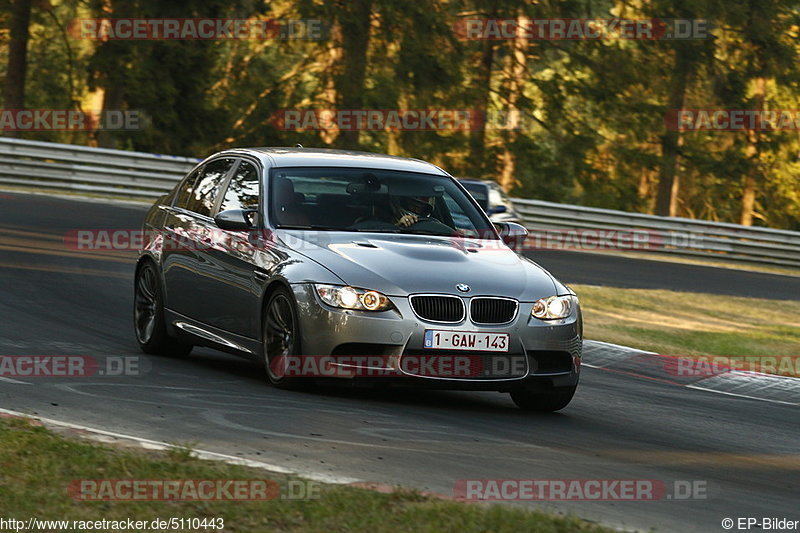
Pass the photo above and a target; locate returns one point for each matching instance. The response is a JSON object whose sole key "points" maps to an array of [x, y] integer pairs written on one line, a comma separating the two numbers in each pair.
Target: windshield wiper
{"points": [[425, 232], [298, 226], [384, 230], [403, 231]]}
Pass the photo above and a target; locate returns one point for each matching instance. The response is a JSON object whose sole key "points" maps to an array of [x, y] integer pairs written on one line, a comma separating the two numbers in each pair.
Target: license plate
{"points": [[465, 340]]}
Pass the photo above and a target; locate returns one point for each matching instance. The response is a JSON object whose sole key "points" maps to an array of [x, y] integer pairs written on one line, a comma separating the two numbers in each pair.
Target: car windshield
{"points": [[368, 200], [479, 192]]}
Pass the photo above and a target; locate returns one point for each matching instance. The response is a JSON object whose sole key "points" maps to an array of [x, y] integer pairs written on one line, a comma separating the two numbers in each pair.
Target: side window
{"points": [[185, 190], [461, 220], [242, 191], [205, 193]]}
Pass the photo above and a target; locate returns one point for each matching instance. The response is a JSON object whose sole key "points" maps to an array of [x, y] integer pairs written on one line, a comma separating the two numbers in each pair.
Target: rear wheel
{"points": [[543, 402], [281, 339], [148, 316]]}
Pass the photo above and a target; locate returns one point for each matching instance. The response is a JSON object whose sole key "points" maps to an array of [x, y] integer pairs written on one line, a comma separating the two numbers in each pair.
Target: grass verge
{"points": [[681, 323], [37, 466]]}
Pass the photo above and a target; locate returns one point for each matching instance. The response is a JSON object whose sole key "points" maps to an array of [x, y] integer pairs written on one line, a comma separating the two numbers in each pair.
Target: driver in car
{"points": [[412, 212], [408, 210]]}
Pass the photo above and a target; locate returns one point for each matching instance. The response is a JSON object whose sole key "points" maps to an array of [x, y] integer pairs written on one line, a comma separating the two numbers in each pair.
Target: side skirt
{"points": [[201, 334]]}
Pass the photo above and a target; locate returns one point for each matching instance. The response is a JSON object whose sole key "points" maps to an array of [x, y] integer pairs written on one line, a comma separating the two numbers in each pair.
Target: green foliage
{"points": [[593, 111]]}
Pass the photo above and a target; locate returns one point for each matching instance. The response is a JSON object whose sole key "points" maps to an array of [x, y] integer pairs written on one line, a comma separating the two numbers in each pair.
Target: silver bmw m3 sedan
{"points": [[327, 265]]}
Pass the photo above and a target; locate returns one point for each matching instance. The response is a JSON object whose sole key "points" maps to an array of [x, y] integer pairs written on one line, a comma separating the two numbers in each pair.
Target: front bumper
{"points": [[389, 345]]}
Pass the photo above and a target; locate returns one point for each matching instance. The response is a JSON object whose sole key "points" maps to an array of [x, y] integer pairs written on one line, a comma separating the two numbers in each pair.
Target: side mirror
{"points": [[234, 219], [496, 210], [513, 234]]}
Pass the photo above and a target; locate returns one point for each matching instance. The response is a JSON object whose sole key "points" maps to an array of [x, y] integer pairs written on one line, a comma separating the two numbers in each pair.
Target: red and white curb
{"points": [[656, 367]]}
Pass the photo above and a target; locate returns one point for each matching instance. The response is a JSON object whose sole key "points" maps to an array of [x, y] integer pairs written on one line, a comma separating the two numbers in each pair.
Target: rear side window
{"points": [[242, 190], [185, 191], [206, 191]]}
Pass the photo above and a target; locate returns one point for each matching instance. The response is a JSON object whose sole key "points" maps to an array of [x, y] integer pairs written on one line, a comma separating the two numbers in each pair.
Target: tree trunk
{"points": [[112, 78], [482, 83], [14, 91], [113, 100], [515, 73], [669, 180], [355, 22], [750, 186]]}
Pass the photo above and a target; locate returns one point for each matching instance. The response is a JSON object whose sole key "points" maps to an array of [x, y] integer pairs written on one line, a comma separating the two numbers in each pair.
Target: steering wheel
{"points": [[433, 225]]}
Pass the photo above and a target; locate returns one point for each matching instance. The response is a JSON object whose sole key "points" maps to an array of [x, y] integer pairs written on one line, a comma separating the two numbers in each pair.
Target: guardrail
{"points": [[551, 223], [92, 170], [145, 176]]}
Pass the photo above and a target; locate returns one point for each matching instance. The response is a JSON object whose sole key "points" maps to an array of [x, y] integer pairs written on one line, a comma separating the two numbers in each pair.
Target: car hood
{"points": [[398, 265]]}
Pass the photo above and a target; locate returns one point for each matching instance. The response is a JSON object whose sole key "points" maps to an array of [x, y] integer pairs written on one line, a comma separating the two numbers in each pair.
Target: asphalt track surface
{"points": [[57, 301]]}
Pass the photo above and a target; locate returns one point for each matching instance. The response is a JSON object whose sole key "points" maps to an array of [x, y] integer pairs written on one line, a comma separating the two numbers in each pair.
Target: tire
{"points": [[281, 339], [148, 316], [543, 402]]}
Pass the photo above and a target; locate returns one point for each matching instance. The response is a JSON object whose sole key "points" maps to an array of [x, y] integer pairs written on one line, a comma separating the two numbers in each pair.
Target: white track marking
{"points": [[200, 454], [9, 380], [740, 395]]}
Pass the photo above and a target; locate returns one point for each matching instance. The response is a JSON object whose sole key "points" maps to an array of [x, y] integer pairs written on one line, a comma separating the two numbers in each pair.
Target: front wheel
{"points": [[148, 316], [543, 402], [281, 339]]}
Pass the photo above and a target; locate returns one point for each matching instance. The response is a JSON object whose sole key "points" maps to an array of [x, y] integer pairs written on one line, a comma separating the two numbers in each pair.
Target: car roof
{"points": [[305, 157]]}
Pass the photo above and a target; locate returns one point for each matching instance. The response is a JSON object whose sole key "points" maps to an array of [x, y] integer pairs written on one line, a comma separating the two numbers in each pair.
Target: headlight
{"points": [[554, 307], [353, 298]]}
